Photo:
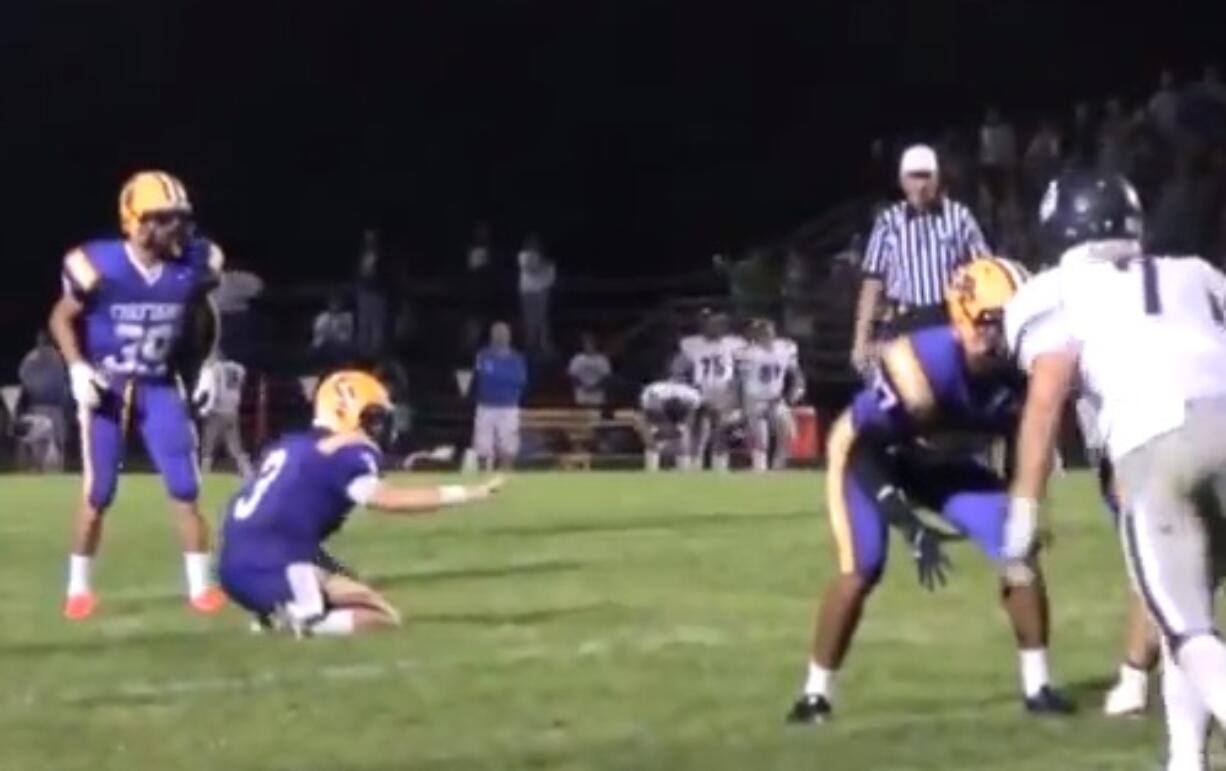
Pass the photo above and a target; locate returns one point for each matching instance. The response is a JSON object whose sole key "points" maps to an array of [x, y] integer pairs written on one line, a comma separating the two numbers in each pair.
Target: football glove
{"points": [[930, 560], [87, 385], [204, 395]]}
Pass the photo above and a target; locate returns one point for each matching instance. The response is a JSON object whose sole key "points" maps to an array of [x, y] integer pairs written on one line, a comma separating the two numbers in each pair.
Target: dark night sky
{"points": [[631, 133]]}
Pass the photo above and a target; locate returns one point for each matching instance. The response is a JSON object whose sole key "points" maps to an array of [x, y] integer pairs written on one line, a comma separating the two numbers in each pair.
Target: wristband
{"points": [[449, 494]]}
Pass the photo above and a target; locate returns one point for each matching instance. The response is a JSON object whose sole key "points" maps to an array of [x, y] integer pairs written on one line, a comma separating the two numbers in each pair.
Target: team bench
{"points": [[572, 431]]}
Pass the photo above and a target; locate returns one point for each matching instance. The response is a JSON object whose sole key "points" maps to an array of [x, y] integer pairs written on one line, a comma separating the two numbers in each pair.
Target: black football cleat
{"points": [[1049, 701], [810, 710]]}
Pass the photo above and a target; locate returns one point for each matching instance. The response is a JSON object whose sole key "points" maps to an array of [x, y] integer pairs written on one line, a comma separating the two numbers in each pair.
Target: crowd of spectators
{"points": [[1171, 143]]}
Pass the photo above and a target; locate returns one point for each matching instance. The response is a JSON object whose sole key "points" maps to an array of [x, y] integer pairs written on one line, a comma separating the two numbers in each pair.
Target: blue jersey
{"points": [[501, 377], [134, 316], [922, 386], [298, 499]]}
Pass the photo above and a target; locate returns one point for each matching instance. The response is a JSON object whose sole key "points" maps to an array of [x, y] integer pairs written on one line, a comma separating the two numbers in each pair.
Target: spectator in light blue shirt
{"points": [[501, 377]]}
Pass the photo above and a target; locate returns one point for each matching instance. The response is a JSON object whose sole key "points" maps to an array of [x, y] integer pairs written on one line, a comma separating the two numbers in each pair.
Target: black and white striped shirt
{"points": [[916, 251]]}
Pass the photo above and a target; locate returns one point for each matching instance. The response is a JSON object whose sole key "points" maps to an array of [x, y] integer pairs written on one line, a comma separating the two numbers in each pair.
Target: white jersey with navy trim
{"points": [[712, 365], [763, 369], [1149, 332]]}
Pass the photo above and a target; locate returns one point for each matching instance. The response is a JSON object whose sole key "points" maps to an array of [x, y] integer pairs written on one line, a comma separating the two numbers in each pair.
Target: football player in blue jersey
{"points": [[953, 378], [308, 482], [126, 305]]}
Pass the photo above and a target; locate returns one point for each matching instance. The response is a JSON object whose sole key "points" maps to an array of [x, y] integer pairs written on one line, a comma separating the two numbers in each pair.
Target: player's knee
{"points": [[183, 490], [181, 484], [861, 580], [99, 496], [93, 509]]}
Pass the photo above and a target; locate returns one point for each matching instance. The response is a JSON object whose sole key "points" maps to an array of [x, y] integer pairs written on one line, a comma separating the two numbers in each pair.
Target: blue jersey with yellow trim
{"points": [[297, 500], [134, 316], [921, 385]]}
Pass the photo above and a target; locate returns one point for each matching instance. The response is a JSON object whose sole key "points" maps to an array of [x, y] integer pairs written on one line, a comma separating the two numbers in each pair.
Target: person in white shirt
{"points": [[768, 371], [707, 361], [222, 425], [668, 409], [1145, 338], [332, 338], [1163, 106], [589, 371], [536, 278], [235, 291]]}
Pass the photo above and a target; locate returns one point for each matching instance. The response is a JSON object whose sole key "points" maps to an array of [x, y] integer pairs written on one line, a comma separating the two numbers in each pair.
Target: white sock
{"points": [[684, 463], [1131, 677], [819, 681], [1203, 660], [1187, 719], [196, 569], [759, 459], [338, 623], [651, 460], [1034, 670], [79, 567], [719, 461]]}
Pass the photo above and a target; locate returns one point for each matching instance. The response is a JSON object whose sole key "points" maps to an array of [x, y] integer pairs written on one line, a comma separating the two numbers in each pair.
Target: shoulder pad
{"points": [[1036, 298], [215, 260], [81, 271]]}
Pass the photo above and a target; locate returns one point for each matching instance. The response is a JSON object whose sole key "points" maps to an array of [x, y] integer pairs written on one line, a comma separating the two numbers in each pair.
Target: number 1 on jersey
{"points": [[1149, 284], [1153, 298]]}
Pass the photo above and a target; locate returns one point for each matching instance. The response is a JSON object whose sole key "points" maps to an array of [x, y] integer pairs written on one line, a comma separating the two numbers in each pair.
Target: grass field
{"points": [[617, 621]]}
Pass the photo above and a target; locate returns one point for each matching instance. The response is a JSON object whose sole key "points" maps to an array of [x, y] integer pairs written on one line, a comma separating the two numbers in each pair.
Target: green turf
{"points": [[579, 622]]}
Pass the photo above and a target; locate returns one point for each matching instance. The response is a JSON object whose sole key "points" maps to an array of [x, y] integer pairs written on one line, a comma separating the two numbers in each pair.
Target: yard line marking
{"points": [[671, 637], [137, 689]]}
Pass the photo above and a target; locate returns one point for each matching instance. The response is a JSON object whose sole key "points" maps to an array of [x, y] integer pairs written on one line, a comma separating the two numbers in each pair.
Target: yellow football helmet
{"points": [[351, 400], [148, 192], [979, 290]]}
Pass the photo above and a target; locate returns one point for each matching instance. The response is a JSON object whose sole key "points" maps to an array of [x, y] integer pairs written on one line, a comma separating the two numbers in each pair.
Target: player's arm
{"points": [[878, 255], [795, 378], [682, 368], [1052, 376], [80, 279], [869, 466], [209, 316], [1042, 342], [63, 322], [378, 494]]}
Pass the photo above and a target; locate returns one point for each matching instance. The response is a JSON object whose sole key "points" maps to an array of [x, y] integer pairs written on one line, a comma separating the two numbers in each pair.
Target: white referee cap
{"points": [[918, 159]]}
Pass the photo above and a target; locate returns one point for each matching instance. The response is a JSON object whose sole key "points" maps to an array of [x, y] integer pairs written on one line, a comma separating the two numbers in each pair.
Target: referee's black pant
{"points": [[914, 318]]}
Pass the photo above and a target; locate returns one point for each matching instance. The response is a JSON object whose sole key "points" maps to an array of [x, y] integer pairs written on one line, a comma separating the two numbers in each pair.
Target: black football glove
{"points": [[930, 560]]}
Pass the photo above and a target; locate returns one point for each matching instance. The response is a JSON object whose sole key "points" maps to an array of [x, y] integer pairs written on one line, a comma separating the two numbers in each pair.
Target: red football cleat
{"points": [[211, 601], [80, 606]]}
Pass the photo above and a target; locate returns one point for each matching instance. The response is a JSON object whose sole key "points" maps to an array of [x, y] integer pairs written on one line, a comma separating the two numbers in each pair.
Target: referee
{"points": [[913, 250]]}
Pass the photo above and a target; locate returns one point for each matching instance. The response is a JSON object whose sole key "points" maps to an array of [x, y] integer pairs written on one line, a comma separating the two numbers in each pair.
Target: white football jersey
{"points": [[229, 377], [712, 362], [1149, 333], [763, 369], [659, 393]]}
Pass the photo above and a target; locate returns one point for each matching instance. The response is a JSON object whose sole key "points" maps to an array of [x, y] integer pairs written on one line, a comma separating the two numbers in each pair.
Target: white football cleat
{"points": [[1126, 699]]}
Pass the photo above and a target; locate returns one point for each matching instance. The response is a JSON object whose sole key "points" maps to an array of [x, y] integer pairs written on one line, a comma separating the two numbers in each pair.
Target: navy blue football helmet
{"points": [[1081, 206]]}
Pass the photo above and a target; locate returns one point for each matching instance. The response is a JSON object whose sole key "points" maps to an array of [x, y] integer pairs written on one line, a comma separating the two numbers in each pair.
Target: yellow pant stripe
{"points": [[838, 447]]}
